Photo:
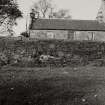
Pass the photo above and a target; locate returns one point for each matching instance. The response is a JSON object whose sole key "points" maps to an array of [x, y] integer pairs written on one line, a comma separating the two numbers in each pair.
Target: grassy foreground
{"points": [[52, 86]]}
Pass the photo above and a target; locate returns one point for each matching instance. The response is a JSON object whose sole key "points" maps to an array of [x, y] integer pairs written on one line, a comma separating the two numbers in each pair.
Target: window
{"points": [[50, 35]]}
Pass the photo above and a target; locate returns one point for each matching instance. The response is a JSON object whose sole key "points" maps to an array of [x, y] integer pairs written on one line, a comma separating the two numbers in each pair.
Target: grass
{"points": [[52, 86]]}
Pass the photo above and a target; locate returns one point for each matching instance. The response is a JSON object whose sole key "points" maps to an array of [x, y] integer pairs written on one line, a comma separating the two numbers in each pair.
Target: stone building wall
{"points": [[67, 35], [49, 34]]}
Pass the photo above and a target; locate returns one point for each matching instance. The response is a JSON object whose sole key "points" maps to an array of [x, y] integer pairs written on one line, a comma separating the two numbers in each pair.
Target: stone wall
{"points": [[49, 34], [71, 35], [69, 52]]}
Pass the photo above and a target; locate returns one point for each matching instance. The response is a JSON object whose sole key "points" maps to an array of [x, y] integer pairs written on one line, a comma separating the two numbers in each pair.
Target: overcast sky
{"points": [[79, 9]]}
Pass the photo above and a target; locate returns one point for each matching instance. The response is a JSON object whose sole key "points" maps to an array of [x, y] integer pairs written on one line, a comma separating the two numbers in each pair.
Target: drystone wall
{"points": [[26, 52]]}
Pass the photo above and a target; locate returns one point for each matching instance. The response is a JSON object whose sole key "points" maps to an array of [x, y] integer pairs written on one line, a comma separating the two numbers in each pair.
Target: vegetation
{"points": [[25, 34], [52, 86], [9, 12], [46, 9], [62, 14], [26, 53]]}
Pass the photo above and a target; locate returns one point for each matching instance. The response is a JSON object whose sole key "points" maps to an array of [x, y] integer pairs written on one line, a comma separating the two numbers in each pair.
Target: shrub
{"points": [[71, 52]]}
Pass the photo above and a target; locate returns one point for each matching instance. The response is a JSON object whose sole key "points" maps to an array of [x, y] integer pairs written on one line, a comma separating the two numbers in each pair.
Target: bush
{"points": [[70, 52]]}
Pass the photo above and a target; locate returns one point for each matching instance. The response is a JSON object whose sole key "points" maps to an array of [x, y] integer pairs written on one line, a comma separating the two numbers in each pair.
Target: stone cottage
{"points": [[65, 29]]}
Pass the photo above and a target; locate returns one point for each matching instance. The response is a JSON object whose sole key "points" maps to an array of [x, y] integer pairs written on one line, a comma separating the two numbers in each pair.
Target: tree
{"points": [[62, 14], [43, 7], [9, 12], [46, 9]]}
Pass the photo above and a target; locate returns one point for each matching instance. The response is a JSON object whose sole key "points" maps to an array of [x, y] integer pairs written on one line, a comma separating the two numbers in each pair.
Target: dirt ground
{"points": [[52, 86]]}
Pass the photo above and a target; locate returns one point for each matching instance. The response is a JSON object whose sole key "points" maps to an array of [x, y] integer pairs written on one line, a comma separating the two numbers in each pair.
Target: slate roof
{"points": [[61, 24]]}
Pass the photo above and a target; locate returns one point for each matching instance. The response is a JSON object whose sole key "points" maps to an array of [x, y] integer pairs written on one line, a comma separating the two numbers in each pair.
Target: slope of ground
{"points": [[52, 86]]}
